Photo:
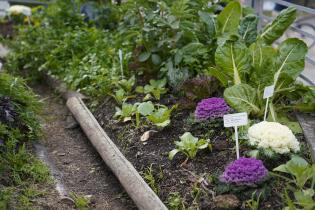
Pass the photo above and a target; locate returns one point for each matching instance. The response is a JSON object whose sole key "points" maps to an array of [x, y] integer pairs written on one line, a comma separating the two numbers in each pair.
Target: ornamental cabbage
{"points": [[211, 108], [244, 171], [274, 136]]}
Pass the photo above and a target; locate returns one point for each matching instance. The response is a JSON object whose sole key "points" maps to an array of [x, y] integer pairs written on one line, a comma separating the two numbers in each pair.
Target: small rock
{"points": [[67, 200], [228, 201], [61, 154]]}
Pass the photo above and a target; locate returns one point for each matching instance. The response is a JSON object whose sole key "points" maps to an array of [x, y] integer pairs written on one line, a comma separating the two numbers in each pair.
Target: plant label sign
{"points": [[238, 119], [235, 120], [268, 92]]}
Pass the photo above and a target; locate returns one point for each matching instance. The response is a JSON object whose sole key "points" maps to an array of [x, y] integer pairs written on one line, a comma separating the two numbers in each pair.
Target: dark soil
{"points": [[6, 29], [83, 171], [197, 180]]}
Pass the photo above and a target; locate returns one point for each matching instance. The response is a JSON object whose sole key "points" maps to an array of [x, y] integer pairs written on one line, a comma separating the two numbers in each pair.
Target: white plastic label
{"points": [[238, 119], [268, 92], [0, 66]]}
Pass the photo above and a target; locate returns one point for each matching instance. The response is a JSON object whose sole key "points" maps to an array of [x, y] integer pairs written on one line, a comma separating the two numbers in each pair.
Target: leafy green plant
{"points": [[125, 112], [150, 179], [158, 115], [189, 146], [127, 85], [80, 202], [120, 96], [301, 182], [242, 60], [253, 203], [156, 88], [175, 201]]}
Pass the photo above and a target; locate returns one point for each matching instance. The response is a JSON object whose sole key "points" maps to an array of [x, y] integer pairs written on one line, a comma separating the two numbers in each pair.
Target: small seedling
{"points": [[80, 202], [189, 146]]}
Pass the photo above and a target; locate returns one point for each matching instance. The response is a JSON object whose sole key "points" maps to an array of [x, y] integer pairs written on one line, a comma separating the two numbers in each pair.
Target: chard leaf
{"points": [[262, 61], [290, 60], [234, 59], [218, 74], [210, 22], [229, 18], [248, 29], [242, 98], [277, 27]]}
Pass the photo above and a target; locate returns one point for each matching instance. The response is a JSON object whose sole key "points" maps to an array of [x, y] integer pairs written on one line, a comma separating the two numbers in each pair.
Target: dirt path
{"points": [[82, 170]]}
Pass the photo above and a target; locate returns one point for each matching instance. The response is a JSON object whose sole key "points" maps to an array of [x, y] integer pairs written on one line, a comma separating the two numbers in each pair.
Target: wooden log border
{"points": [[139, 191]]}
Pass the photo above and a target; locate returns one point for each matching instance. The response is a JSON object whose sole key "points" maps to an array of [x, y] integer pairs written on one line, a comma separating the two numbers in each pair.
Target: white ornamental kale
{"points": [[274, 136]]}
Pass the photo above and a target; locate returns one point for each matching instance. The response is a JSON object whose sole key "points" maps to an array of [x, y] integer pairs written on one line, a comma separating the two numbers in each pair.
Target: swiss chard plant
{"points": [[189, 146], [245, 63]]}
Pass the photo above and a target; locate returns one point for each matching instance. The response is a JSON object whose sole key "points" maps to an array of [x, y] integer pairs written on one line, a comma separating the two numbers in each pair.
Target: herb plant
{"points": [[189, 146], [156, 88]]}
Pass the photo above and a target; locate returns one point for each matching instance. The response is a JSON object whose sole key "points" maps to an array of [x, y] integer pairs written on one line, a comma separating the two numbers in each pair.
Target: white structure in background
{"points": [[20, 9], [4, 6]]}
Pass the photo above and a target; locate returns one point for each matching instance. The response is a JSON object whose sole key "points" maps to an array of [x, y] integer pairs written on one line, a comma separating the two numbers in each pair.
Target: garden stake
{"points": [[121, 63], [237, 145], [268, 92]]}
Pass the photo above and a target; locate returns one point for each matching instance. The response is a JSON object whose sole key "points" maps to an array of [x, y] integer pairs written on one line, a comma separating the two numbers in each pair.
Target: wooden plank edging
{"points": [[138, 190], [136, 187], [307, 122]]}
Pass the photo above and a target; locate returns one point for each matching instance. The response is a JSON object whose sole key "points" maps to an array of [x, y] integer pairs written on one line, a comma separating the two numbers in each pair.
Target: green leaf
{"points": [[146, 108], [172, 153], [156, 59], [242, 98], [215, 72], [210, 22], [144, 56], [262, 61], [277, 27], [290, 60], [229, 18], [248, 29], [234, 59]]}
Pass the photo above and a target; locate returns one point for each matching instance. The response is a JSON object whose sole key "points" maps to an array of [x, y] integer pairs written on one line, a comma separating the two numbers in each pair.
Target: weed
{"points": [[149, 178], [175, 201], [80, 202]]}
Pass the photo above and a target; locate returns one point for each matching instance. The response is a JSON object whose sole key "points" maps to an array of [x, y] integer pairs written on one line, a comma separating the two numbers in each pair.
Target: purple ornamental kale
{"points": [[211, 108], [244, 171]]}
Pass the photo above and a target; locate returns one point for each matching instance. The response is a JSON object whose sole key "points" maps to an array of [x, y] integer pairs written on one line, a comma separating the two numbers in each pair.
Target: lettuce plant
{"points": [[189, 146], [121, 96]]}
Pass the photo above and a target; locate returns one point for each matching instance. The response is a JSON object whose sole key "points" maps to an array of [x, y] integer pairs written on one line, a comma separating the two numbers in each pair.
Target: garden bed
{"points": [[195, 181]]}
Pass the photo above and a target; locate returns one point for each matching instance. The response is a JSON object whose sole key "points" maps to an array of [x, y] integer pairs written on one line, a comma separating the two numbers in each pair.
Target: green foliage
{"points": [[158, 115], [301, 182], [80, 202], [189, 146], [150, 179], [277, 27], [156, 88], [253, 203], [25, 102], [126, 111], [175, 201]]}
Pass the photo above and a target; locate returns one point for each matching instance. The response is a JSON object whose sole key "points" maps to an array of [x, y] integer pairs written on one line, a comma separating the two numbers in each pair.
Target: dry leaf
{"points": [[146, 135]]}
